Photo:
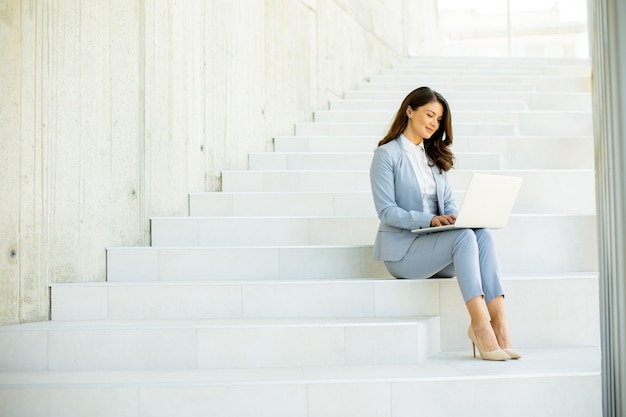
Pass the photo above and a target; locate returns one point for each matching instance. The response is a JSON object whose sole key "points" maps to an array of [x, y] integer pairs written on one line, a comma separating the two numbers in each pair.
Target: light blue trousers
{"points": [[467, 253]]}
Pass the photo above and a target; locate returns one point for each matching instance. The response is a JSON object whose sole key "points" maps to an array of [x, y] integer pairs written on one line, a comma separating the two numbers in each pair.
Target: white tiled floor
{"points": [[447, 384]]}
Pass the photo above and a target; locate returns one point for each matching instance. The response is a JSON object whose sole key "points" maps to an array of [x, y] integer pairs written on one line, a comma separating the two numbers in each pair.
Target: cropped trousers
{"points": [[467, 253]]}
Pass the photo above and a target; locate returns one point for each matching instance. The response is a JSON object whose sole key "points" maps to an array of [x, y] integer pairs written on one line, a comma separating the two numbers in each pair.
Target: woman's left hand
{"points": [[442, 220]]}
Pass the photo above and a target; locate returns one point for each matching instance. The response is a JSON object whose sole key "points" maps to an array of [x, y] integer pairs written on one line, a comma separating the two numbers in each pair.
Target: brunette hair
{"points": [[438, 146]]}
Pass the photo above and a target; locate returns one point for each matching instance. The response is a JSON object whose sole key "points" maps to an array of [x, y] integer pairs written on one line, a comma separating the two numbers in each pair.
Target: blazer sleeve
{"points": [[386, 180], [449, 205]]}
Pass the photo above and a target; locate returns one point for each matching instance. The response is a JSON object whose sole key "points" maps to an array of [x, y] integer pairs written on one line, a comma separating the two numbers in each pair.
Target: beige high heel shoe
{"points": [[494, 355], [512, 353]]}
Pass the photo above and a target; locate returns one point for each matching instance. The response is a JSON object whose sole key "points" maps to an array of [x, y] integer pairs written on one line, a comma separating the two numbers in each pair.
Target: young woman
{"points": [[411, 190]]}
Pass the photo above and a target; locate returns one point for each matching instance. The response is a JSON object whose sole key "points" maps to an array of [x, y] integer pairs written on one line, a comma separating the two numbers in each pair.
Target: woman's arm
{"points": [[449, 205], [384, 187]]}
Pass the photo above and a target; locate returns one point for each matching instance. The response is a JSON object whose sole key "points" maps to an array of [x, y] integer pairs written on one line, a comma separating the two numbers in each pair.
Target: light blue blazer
{"points": [[398, 200]]}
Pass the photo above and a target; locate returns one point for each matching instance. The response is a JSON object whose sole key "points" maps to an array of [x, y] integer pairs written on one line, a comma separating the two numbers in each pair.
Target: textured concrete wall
{"points": [[9, 159], [113, 110]]}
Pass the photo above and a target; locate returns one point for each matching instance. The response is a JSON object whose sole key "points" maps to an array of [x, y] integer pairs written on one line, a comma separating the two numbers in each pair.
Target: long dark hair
{"points": [[438, 146]]}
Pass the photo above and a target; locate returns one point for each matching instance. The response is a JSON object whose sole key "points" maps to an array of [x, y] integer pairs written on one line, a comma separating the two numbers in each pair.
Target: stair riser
{"points": [[524, 121], [446, 82], [516, 152], [355, 161], [534, 100], [551, 245], [533, 396], [523, 69], [547, 245], [537, 124], [391, 106], [542, 191], [572, 156], [322, 205], [529, 301], [250, 263], [282, 204], [264, 231], [247, 300], [219, 347], [379, 129], [537, 313], [581, 103]]}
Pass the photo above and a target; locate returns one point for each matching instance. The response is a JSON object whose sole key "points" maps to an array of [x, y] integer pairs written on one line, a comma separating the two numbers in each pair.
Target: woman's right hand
{"points": [[442, 220]]}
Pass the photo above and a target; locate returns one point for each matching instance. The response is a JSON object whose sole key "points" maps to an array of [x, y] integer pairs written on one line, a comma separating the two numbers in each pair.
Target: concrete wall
{"points": [[113, 110]]}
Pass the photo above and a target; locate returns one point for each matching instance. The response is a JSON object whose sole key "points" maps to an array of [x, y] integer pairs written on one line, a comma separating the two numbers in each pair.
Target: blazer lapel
{"points": [[410, 179]]}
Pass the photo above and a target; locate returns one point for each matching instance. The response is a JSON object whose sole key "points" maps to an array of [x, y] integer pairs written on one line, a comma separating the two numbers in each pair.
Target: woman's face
{"points": [[423, 121]]}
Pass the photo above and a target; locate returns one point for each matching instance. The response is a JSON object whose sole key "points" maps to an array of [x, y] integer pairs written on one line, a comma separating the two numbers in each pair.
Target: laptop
{"points": [[487, 203]]}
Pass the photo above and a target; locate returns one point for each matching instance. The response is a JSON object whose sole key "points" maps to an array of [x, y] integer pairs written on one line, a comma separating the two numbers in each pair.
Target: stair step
{"points": [[532, 384], [562, 101], [522, 102], [524, 246], [216, 344], [491, 65], [273, 204], [449, 82], [303, 204], [457, 105], [529, 299], [241, 263], [380, 128], [320, 231], [501, 155], [521, 124], [272, 161], [576, 152], [542, 190], [525, 122]]}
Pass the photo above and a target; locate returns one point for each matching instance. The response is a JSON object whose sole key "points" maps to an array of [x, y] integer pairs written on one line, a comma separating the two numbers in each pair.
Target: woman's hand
{"points": [[442, 220]]}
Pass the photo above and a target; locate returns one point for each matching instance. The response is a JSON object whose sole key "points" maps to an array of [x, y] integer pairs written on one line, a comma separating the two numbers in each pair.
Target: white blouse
{"points": [[423, 173]]}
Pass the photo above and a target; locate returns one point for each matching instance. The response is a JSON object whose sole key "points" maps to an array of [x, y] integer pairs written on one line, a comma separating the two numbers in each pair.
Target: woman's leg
{"points": [[489, 265], [498, 321], [483, 331], [431, 254]]}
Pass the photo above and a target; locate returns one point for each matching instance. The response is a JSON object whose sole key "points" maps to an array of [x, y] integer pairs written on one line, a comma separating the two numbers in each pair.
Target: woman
{"points": [[411, 190]]}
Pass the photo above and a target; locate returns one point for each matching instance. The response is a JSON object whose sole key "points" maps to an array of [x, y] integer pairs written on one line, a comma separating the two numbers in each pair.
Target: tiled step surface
{"points": [[318, 231], [241, 263], [516, 152], [273, 204], [530, 123], [354, 161], [459, 102], [534, 386], [379, 129], [498, 154], [217, 344], [536, 101], [482, 83], [529, 299], [321, 204], [367, 143], [542, 190], [524, 246], [457, 105], [539, 124]]}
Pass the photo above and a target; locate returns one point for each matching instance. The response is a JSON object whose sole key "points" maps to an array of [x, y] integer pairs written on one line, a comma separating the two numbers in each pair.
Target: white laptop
{"points": [[487, 203]]}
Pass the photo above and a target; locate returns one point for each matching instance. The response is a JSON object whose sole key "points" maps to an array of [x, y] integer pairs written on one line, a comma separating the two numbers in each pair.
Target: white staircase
{"points": [[265, 300]]}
